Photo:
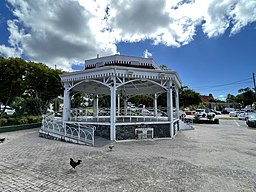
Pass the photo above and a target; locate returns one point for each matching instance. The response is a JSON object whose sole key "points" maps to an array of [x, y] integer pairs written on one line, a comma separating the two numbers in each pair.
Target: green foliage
{"points": [[230, 98], [210, 117], [104, 101], [12, 73], [245, 96], [209, 120], [3, 121], [76, 100], [43, 85], [196, 119], [142, 99], [7, 121], [189, 97], [36, 83], [162, 100]]}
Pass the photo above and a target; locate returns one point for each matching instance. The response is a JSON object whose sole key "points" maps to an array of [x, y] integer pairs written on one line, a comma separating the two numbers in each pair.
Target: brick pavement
{"points": [[208, 158]]}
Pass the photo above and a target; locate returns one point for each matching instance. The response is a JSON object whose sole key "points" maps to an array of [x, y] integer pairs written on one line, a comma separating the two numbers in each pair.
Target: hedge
{"points": [[19, 127], [10, 120]]}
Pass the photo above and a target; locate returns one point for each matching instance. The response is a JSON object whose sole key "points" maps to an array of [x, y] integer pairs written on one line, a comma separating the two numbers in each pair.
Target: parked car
{"points": [[204, 113], [132, 108], [216, 112], [233, 114], [146, 112], [251, 120], [8, 110], [243, 115]]}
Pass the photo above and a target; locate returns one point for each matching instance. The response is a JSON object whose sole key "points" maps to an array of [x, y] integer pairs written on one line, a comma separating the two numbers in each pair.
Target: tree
{"points": [[230, 98], [12, 71], [245, 96], [142, 99], [43, 85], [189, 97]]}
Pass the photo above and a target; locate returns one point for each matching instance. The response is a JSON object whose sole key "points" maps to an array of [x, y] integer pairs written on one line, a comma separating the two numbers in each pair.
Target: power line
{"points": [[243, 81], [222, 88]]}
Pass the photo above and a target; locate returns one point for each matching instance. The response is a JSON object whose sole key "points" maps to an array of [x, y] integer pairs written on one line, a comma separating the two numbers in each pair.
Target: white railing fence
{"points": [[72, 132]]}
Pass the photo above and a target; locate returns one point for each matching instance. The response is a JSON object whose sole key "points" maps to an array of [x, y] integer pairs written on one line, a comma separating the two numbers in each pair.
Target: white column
{"points": [[177, 105], [118, 105], [125, 105], [113, 111], [95, 105], [177, 101], [170, 106], [155, 104], [66, 104]]}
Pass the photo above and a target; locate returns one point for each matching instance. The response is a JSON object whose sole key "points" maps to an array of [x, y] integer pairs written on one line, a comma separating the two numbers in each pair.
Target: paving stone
{"points": [[207, 158]]}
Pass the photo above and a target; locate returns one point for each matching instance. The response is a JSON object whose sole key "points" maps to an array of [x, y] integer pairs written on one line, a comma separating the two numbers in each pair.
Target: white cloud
{"points": [[9, 51], [61, 32], [222, 97]]}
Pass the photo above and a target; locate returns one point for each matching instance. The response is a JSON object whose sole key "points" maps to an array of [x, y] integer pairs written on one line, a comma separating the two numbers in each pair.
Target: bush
{"points": [[216, 121], [6, 121], [3, 122], [23, 120], [206, 121], [196, 119], [210, 117]]}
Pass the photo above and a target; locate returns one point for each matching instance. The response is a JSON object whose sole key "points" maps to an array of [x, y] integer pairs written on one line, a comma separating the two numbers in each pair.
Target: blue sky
{"points": [[211, 44], [219, 65]]}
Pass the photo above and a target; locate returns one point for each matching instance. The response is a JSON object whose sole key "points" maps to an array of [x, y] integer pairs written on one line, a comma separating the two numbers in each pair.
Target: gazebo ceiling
{"points": [[133, 88]]}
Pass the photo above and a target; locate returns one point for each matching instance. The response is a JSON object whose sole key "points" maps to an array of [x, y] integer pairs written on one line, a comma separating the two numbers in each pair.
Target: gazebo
{"points": [[120, 77]]}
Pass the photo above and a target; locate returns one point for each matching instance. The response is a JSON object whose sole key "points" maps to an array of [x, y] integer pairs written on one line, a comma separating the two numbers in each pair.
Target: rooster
{"points": [[74, 164], [111, 147], [2, 140]]}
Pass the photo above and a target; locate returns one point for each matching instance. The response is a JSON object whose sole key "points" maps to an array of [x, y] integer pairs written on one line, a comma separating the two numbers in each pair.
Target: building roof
{"points": [[206, 98]]}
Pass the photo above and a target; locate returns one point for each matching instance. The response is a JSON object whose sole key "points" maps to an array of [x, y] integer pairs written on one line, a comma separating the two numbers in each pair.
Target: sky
{"points": [[210, 43]]}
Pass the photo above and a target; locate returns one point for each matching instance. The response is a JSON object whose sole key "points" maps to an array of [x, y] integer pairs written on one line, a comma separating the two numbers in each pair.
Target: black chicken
{"points": [[74, 164], [111, 147], [2, 140]]}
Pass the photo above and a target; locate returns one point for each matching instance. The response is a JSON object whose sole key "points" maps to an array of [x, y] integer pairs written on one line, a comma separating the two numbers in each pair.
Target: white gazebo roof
{"points": [[134, 76]]}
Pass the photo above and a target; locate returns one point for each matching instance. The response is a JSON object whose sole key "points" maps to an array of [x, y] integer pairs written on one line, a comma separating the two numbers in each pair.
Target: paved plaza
{"points": [[209, 158]]}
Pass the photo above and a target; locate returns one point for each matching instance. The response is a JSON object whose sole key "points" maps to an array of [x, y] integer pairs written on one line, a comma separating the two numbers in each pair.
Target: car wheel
{"points": [[203, 115]]}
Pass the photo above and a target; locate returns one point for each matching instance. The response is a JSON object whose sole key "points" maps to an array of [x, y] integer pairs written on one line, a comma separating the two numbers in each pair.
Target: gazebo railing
{"points": [[72, 131], [82, 115]]}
